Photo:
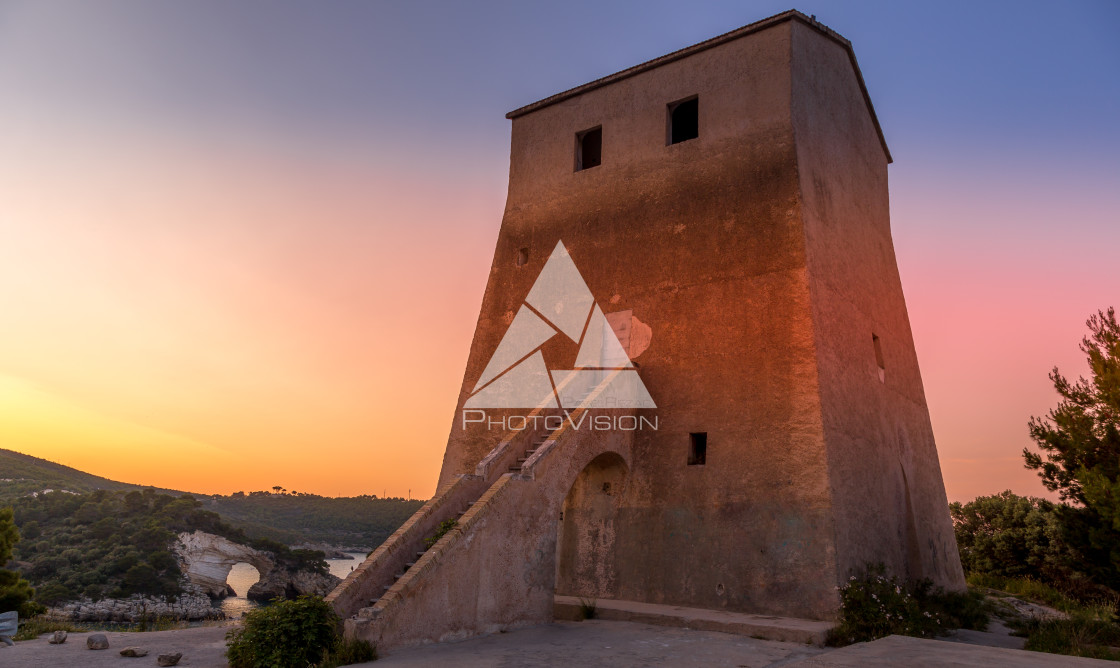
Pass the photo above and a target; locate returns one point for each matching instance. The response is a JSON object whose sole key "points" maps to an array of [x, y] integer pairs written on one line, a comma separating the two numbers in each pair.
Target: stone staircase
{"points": [[495, 568]]}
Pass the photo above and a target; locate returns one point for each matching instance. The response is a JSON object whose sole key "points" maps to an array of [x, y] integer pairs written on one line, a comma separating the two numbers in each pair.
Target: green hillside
{"points": [[115, 543], [291, 519], [22, 474]]}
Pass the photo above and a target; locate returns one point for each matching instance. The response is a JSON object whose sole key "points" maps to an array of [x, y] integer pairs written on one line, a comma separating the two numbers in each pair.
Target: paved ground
{"points": [[602, 643], [918, 653], [564, 644]]}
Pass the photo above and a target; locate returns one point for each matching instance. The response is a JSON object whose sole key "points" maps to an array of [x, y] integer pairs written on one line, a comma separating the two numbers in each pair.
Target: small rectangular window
{"points": [[684, 120], [589, 148], [697, 448], [879, 358]]}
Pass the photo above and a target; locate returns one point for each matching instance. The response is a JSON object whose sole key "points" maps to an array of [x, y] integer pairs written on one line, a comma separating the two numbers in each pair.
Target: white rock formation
{"points": [[206, 560]]}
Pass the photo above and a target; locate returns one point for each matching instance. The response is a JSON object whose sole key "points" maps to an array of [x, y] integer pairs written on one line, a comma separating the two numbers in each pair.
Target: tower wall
{"points": [[888, 496], [759, 256]]}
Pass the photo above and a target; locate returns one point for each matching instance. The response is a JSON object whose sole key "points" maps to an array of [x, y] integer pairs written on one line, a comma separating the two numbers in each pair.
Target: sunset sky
{"points": [[245, 244]]}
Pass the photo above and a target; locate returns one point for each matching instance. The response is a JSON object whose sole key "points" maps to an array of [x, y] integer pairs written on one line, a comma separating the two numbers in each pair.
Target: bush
{"points": [[874, 605], [293, 634], [1010, 536]]}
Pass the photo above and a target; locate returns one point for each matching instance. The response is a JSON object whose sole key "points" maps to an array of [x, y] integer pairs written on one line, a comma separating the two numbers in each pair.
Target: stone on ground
{"points": [[134, 652], [97, 641]]}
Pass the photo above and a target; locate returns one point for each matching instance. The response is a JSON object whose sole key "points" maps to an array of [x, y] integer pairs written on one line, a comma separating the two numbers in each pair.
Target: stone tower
{"points": [[721, 215]]}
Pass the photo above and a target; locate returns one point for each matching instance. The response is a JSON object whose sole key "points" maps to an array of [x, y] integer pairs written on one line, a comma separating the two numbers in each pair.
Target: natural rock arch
{"points": [[207, 559]]}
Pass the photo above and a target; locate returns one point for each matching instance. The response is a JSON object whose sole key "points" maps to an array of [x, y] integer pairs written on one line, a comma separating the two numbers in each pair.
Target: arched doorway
{"points": [[585, 541]]}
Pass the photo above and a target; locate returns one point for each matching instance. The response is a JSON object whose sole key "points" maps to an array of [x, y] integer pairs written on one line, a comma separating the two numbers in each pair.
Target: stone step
{"points": [[386, 587], [419, 554], [409, 565], [515, 469], [784, 629]]}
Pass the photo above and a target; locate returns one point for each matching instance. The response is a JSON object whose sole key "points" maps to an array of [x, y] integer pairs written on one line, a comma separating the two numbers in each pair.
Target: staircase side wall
{"points": [[497, 569]]}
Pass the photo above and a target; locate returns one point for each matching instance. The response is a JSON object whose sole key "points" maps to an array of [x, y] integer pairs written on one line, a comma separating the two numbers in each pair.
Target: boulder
{"points": [[282, 583], [97, 641], [57, 638], [168, 659], [135, 652]]}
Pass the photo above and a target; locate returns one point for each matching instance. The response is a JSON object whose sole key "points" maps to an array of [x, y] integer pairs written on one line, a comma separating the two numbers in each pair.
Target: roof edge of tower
{"points": [[790, 15]]}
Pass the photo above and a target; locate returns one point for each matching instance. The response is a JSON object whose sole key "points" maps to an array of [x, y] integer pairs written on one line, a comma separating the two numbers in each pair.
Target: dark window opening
{"points": [[522, 257], [879, 358], [684, 120], [697, 449], [589, 148]]}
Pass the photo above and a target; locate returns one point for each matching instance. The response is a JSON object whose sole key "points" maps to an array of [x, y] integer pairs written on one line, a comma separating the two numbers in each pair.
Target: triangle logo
{"points": [[559, 303]]}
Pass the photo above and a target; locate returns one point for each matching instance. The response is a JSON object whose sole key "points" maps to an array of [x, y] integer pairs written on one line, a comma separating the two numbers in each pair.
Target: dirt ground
{"points": [[203, 646]]}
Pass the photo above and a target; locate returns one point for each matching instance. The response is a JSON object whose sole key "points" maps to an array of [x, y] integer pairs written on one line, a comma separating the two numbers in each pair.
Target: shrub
{"points": [[874, 605], [441, 531], [286, 634]]}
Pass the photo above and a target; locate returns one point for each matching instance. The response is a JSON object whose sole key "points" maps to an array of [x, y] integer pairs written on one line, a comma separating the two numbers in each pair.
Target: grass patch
{"points": [[30, 629], [588, 608], [158, 623], [1080, 635], [348, 652], [1090, 630], [1031, 590]]}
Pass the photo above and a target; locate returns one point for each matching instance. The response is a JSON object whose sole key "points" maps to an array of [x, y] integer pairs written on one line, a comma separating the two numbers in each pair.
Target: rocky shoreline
{"points": [[190, 606]]}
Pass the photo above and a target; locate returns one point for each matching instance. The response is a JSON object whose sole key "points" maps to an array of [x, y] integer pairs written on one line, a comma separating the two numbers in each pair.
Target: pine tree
{"points": [[15, 592], [1080, 440]]}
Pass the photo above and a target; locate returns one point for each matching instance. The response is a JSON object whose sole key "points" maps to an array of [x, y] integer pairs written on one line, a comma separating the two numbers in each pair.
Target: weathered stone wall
{"points": [[888, 498], [496, 570], [702, 241]]}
